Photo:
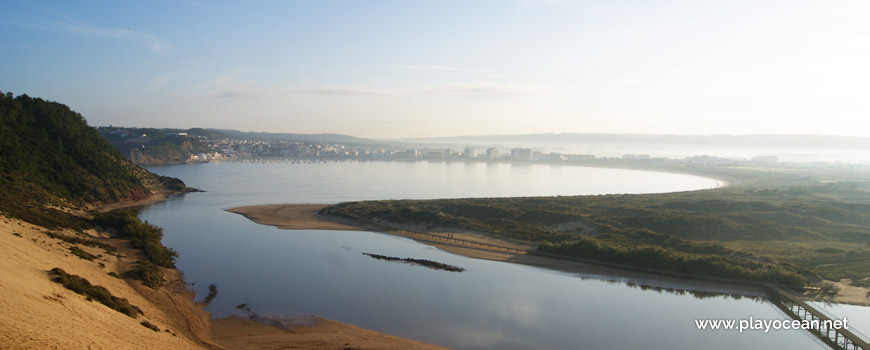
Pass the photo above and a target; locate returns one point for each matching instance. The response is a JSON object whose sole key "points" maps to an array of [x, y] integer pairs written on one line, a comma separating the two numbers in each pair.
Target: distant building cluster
{"points": [[204, 157], [198, 148]]}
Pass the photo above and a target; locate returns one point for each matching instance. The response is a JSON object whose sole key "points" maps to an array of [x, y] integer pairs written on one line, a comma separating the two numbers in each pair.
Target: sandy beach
{"points": [[237, 332]]}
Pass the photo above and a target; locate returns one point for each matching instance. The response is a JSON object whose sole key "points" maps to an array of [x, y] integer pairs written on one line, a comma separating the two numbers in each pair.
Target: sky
{"points": [[429, 68]]}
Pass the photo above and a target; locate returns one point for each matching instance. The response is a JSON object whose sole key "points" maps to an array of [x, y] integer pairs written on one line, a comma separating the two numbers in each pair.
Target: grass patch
{"points": [[109, 249], [82, 254], [98, 293], [150, 326], [115, 274]]}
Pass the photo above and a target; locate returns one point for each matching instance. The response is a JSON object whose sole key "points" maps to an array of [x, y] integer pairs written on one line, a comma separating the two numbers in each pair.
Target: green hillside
{"points": [[49, 156]]}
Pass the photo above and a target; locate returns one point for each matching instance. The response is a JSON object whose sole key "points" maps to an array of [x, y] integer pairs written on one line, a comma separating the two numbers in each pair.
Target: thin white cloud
{"points": [[437, 67], [482, 90], [162, 80], [232, 83], [473, 89], [327, 91], [153, 42], [237, 83], [486, 89], [531, 4], [342, 91]]}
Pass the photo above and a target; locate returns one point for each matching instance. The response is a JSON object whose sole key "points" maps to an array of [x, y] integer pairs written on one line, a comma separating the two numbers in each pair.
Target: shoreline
{"points": [[237, 332], [151, 199], [28, 296], [306, 217], [722, 181]]}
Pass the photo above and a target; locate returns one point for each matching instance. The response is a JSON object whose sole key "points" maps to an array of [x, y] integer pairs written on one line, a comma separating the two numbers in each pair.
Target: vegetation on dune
{"points": [[149, 274], [746, 233], [98, 293], [150, 326], [144, 236], [141, 234], [666, 259], [82, 254], [108, 248]]}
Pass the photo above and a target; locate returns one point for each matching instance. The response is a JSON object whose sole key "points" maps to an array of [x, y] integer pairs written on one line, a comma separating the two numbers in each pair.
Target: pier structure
{"points": [[837, 338]]}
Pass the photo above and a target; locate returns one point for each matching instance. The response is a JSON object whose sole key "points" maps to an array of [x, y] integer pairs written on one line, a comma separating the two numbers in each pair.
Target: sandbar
{"points": [[307, 217]]}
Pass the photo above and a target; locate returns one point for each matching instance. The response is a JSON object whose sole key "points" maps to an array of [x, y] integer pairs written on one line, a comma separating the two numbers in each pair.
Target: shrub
{"points": [[666, 259], [150, 274], [150, 326], [83, 241], [141, 234], [98, 293]]}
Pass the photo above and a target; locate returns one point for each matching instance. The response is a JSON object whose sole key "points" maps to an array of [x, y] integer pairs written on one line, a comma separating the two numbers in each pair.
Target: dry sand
{"points": [[305, 216], [37, 313], [40, 314], [847, 294], [241, 333]]}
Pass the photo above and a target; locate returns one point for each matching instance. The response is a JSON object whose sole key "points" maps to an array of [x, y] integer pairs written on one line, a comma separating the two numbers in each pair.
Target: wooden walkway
{"points": [[846, 339]]}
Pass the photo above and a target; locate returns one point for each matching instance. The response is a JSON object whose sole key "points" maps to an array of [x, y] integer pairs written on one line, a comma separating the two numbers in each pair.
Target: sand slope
{"points": [[241, 333], [40, 314]]}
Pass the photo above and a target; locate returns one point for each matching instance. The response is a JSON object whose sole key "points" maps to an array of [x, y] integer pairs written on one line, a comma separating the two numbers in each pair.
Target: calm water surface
{"points": [[491, 305]]}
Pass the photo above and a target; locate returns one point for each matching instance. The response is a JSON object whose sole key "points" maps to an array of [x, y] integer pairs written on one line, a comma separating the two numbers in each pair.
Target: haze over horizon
{"points": [[397, 69]]}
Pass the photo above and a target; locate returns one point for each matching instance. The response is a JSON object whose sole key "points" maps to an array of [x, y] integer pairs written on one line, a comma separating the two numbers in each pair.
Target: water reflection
{"points": [[490, 305], [695, 293]]}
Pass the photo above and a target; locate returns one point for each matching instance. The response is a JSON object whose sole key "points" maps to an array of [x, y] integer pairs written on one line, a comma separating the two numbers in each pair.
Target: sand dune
{"points": [[41, 314]]}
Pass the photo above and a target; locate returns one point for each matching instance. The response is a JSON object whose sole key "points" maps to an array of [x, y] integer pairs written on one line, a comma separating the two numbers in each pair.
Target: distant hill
{"points": [[50, 156], [173, 146], [322, 138], [159, 146], [759, 140]]}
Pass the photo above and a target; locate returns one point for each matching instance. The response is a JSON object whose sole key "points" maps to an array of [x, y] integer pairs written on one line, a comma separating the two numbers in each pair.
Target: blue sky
{"points": [[390, 69]]}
